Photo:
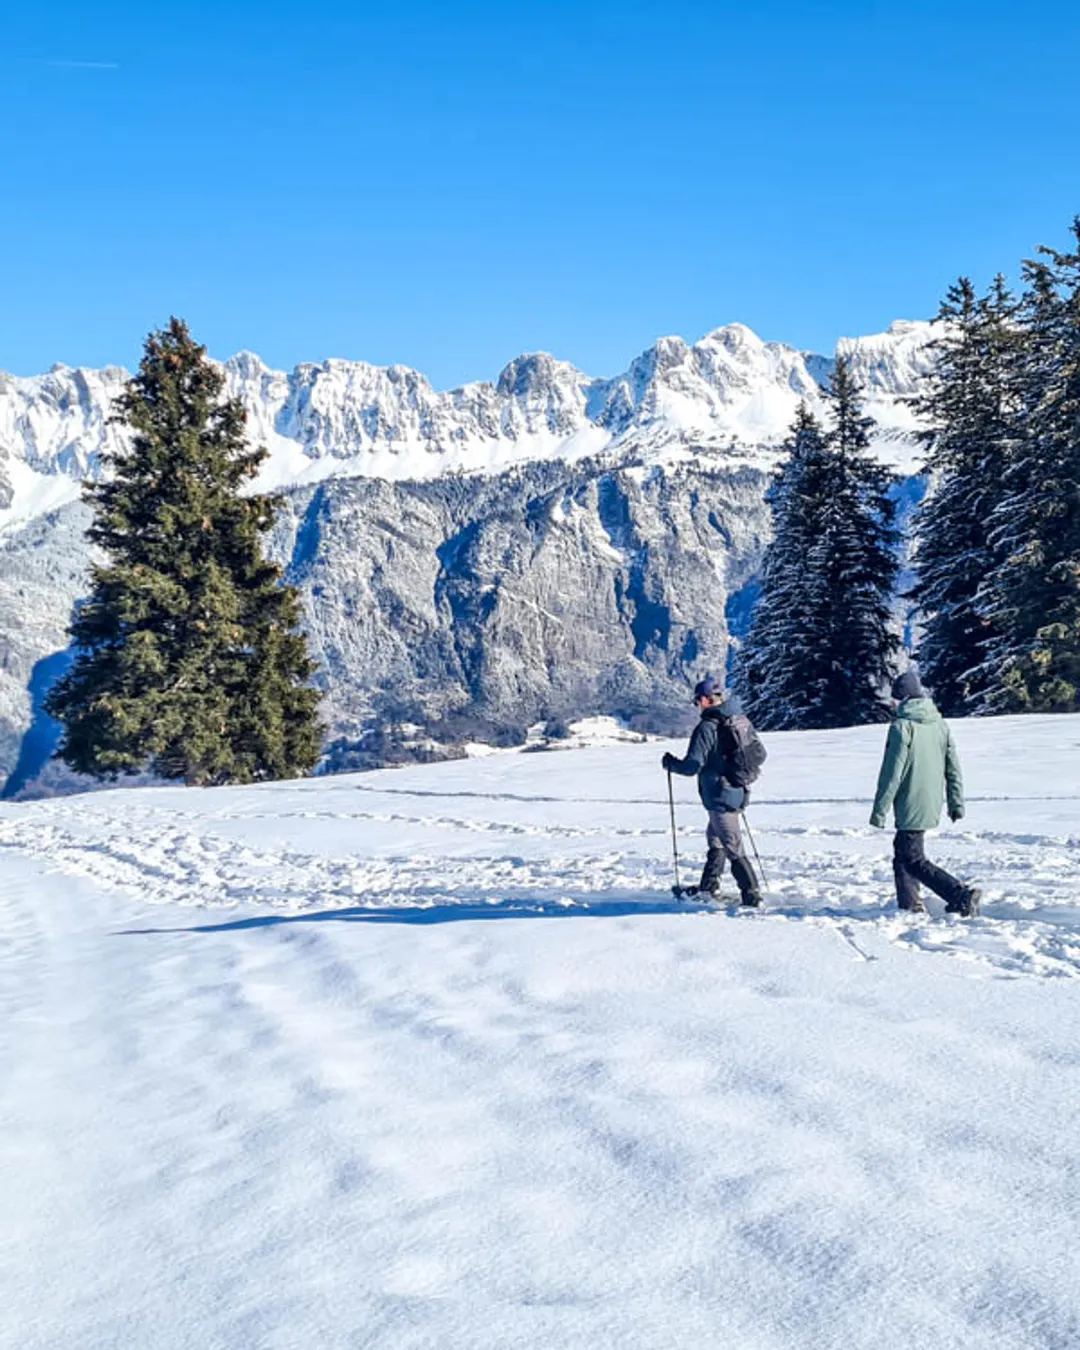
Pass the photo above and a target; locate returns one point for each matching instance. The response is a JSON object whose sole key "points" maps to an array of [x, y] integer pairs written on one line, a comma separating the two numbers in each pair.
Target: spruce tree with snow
{"points": [[782, 645], [189, 660], [970, 408], [822, 650], [1032, 596], [854, 565]]}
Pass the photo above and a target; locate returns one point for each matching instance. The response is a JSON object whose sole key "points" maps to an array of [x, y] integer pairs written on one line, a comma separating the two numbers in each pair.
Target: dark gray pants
{"points": [[911, 866], [724, 839], [724, 833]]}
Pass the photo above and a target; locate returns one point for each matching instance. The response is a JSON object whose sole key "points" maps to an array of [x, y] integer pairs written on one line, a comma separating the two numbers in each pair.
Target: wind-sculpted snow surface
{"points": [[430, 1058]]}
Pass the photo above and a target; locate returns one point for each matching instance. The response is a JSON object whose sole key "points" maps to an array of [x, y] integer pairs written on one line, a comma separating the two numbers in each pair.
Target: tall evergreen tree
{"points": [[970, 407], [781, 649], [1032, 596], [854, 563], [821, 650], [189, 659]]}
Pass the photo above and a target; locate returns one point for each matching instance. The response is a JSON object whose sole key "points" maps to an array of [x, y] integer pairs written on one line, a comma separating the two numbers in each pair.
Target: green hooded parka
{"points": [[920, 767]]}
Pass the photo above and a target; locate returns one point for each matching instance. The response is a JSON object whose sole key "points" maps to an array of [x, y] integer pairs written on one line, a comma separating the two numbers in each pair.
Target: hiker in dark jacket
{"points": [[920, 767], [707, 757]]}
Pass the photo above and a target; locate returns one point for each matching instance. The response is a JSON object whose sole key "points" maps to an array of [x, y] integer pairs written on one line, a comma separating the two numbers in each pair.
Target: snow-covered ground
{"points": [[429, 1058]]}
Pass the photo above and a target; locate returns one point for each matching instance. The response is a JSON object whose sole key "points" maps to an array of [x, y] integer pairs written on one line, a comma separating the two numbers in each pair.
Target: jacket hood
{"points": [[919, 710], [731, 707]]}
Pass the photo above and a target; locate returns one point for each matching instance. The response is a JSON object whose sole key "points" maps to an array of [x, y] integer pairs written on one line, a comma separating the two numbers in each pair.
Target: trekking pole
{"points": [[753, 845], [674, 841]]}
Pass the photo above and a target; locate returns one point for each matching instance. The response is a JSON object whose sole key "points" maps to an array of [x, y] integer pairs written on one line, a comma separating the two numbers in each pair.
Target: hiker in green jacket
{"points": [[920, 767]]}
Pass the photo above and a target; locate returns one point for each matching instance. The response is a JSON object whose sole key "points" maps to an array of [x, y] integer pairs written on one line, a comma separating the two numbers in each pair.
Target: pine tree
{"points": [[772, 670], [854, 564], [970, 406], [189, 659], [1032, 596], [821, 642]]}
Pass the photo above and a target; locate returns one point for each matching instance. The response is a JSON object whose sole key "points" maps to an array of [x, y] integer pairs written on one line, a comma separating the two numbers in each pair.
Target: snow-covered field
{"points": [[429, 1058]]}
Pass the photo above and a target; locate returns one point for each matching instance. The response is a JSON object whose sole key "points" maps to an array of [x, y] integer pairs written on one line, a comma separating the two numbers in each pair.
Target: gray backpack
{"points": [[744, 753]]}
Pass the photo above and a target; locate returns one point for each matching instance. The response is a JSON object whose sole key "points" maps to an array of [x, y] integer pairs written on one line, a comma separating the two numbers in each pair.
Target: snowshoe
{"points": [[694, 893]]}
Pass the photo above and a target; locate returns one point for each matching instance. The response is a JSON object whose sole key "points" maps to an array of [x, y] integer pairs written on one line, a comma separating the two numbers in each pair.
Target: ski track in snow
{"points": [[1030, 922]]}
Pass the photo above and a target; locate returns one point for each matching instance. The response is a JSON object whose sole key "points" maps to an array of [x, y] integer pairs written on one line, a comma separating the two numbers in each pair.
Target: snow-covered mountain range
{"points": [[549, 545], [730, 391]]}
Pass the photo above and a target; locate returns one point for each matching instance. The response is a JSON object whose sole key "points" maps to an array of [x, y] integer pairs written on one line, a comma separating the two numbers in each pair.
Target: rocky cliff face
{"points": [[548, 591], [470, 606], [549, 546]]}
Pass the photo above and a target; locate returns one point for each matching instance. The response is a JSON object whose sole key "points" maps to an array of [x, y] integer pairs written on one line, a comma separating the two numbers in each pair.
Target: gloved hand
{"points": [[668, 762], [956, 815], [878, 822]]}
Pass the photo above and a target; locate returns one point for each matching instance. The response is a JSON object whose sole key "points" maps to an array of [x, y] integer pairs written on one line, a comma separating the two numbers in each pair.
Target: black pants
{"points": [[911, 866]]}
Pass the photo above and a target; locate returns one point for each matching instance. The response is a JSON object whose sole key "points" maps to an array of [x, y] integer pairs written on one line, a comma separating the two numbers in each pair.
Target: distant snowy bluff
{"points": [[550, 546]]}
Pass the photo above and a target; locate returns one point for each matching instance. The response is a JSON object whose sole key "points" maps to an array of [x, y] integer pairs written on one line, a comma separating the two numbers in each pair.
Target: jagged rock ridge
{"points": [[730, 392]]}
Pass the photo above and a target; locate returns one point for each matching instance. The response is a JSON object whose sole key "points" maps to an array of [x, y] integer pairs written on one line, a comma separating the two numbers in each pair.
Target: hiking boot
{"points": [[709, 885], [966, 904], [749, 891], [911, 907]]}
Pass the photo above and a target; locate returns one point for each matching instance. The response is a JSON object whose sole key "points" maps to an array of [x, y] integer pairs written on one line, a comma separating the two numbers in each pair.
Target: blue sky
{"points": [[446, 185]]}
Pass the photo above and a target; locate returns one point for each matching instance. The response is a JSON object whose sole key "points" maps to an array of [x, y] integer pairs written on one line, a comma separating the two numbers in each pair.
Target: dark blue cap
{"points": [[707, 687]]}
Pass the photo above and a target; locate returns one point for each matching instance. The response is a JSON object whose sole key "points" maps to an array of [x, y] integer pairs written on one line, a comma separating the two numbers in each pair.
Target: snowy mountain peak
{"points": [[245, 364], [736, 337], [536, 372], [891, 363], [668, 352]]}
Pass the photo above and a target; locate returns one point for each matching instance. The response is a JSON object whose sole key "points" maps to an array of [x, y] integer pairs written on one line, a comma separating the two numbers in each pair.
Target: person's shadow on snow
{"points": [[521, 908]]}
